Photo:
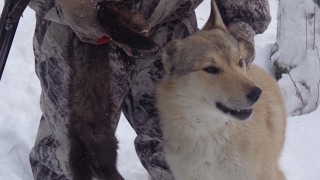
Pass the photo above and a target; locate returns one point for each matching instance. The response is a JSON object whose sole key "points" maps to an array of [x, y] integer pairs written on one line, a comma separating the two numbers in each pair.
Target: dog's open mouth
{"points": [[239, 114]]}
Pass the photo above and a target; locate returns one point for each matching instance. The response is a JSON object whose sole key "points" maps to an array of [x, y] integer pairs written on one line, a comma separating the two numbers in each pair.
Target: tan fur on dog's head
{"points": [[212, 59]]}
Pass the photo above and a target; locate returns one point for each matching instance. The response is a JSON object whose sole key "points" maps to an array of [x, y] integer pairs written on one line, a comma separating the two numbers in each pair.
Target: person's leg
{"points": [[139, 109], [44, 149], [50, 154], [74, 79], [139, 105]]}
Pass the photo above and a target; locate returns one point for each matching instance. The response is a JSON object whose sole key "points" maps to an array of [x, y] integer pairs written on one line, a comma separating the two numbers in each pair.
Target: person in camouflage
{"points": [[66, 49]]}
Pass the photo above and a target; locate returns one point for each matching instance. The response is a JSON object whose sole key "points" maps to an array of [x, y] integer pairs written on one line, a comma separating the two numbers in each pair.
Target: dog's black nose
{"points": [[255, 93]]}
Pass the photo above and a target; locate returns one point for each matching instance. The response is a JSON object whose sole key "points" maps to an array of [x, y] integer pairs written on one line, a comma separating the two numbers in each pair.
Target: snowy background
{"points": [[297, 52], [20, 113]]}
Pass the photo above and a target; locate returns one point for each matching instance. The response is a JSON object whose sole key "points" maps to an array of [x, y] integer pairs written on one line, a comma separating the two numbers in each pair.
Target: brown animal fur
{"points": [[214, 126], [126, 26], [93, 145]]}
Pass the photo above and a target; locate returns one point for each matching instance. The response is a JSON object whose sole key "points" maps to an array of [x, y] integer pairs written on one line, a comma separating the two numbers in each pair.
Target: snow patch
{"points": [[297, 54]]}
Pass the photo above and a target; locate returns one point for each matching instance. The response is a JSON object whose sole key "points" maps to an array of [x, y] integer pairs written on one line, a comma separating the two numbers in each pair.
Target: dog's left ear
{"points": [[243, 50], [169, 54], [247, 52], [215, 20]]}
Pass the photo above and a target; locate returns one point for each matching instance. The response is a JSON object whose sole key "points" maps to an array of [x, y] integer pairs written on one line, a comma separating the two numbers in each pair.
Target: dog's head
{"points": [[208, 71]]}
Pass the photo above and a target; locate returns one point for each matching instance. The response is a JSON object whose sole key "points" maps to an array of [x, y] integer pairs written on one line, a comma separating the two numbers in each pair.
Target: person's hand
{"points": [[245, 35], [126, 27], [98, 21], [81, 16]]}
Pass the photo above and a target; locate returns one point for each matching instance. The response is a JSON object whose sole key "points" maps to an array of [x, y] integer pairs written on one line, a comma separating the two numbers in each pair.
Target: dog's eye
{"points": [[211, 70], [241, 63]]}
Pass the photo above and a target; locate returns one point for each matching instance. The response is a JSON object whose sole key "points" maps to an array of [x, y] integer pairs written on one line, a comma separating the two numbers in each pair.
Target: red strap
{"points": [[103, 40]]}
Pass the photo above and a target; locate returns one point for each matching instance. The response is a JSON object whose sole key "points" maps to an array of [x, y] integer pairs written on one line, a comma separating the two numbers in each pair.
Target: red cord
{"points": [[103, 40]]}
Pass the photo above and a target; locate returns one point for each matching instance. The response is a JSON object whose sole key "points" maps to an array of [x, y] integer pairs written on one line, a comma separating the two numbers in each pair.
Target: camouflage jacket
{"points": [[256, 13]]}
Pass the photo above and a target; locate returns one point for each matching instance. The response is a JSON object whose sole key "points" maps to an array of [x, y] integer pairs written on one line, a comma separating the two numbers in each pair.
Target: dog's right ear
{"points": [[215, 20], [169, 54]]}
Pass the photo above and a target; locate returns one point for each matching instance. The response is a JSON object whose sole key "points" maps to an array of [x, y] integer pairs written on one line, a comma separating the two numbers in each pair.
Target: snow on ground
{"points": [[20, 113]]}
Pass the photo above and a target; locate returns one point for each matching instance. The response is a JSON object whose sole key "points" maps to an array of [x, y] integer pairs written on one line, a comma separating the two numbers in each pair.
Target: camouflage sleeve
{"points": [[79, 15], [256, 13], [165, 11]]}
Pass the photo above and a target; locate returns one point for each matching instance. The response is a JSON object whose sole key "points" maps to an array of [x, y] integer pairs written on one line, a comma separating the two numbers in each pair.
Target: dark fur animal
{"points": [[93, 145], [126, 26]]}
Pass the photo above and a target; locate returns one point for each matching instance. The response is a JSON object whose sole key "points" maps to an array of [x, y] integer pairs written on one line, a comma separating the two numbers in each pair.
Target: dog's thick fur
{"points": [[215, 123]]}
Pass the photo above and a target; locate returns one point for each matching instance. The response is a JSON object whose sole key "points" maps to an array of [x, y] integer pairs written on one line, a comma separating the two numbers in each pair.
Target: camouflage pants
{"points": [[131, 88]]}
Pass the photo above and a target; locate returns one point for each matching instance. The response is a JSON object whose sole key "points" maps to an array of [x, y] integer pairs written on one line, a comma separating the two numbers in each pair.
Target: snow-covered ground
{"points": [[20, 113]]}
